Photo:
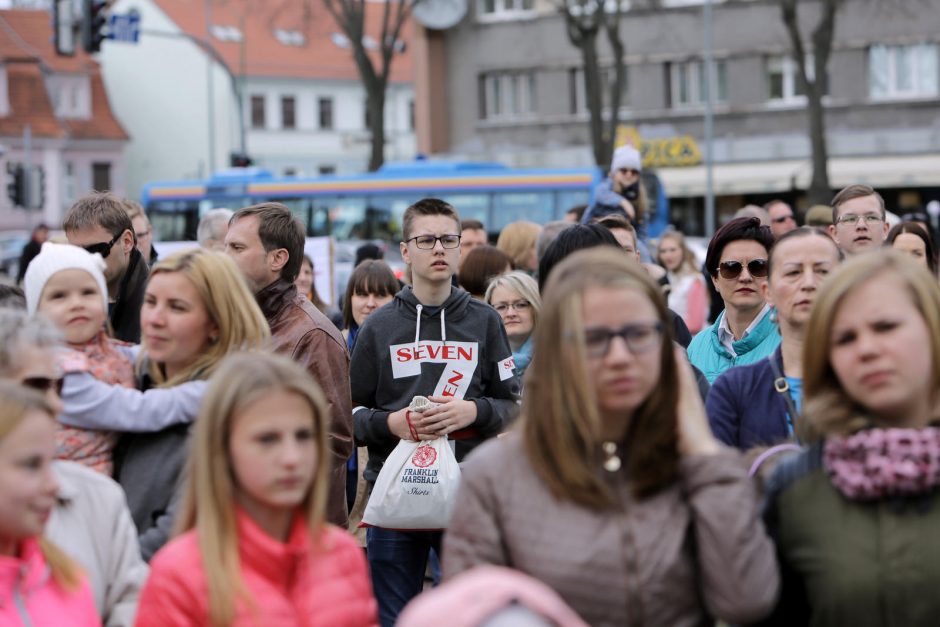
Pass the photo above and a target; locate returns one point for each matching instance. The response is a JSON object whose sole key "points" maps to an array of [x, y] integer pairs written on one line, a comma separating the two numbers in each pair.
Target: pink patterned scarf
{"points": [[883, 463]]}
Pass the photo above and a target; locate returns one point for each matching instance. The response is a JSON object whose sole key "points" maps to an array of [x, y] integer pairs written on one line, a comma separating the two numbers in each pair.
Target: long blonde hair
{"points": [[209, 498], [561, 423], [688, 265], [16, 402], [828, 407], [517, 240], [230, 304]]}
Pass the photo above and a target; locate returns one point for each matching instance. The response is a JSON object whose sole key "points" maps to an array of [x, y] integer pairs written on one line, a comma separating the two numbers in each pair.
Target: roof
{"points": [[28, 53], [284, 38]]}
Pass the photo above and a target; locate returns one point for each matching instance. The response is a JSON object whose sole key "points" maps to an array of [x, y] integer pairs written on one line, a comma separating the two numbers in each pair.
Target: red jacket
{"points": [[299, 583]]}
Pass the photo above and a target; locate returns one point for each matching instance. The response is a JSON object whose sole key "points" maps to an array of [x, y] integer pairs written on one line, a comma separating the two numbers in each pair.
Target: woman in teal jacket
{"points": [[856, 516], [744, 332]]}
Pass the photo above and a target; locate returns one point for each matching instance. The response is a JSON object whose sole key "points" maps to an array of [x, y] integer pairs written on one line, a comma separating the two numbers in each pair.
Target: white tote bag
{"points": [[416, 488]]}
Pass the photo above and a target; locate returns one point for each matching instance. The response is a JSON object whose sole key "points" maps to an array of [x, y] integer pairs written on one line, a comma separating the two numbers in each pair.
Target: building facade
{"points": [[54, 115], [515, 85], [302, 103]]}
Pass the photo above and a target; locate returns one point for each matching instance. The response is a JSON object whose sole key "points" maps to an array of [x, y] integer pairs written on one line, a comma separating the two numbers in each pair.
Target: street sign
{"points": [[124, 28]]}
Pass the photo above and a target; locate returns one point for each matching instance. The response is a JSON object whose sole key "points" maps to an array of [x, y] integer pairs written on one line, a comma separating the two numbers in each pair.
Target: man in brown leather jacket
{"points": [[267, 243]]}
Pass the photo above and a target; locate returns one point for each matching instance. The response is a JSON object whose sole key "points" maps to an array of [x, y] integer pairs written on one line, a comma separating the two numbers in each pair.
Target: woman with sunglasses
{"points": [[614, 466], [759, 404], [744, 332], [855, 516], [622, 192]]}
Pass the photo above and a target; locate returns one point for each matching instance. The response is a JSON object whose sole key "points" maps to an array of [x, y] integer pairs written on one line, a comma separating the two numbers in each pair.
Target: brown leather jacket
{"points": [[300, 330]]}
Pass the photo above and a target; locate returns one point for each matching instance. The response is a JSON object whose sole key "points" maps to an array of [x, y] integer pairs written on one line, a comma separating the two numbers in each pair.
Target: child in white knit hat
{"points": [[66, 284]]}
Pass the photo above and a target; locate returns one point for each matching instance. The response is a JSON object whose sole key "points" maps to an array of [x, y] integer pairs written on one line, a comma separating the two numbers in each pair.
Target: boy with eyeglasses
{"points": [[858, 219], [98, 222], [432, 340]]}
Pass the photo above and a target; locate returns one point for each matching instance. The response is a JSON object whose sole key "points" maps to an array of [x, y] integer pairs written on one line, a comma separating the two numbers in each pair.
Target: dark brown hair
{"points": [[427, 207], [96, 209], [733, 231], [918, 229], [278, 228], [482, 264], [372, 276]]}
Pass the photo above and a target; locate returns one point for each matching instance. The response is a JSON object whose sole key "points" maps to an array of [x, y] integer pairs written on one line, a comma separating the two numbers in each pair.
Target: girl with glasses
{"points": [[515, 297], [614, 469], [743, 333], [855, 516], [759, 404]]}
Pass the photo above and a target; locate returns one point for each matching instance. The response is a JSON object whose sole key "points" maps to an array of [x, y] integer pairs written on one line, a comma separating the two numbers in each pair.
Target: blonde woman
{"points": [[855, 516], [515, 297], [518, 240], [197, 308], [688, 294], [614, 467], [254, 547], [39, 584]]}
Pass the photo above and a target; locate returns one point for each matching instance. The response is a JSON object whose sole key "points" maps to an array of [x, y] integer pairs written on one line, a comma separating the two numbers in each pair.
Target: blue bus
{"points": [[370, 206]]}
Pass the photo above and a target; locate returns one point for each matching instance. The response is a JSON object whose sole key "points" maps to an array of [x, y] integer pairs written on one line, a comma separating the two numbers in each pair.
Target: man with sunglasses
{"points": [[98, 222], [781, 215], [858, 219], [744, 332]]}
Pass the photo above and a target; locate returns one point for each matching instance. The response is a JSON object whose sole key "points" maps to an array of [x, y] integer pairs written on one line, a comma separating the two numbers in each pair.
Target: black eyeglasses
{"points": [[639, 338], [428, 242], [757, 268], [102, 248], [44, 384]]}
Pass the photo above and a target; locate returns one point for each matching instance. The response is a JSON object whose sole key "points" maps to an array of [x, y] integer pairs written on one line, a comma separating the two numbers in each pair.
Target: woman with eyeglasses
{"points": [[613, 490], [855, 516], [515, 297], [759, 404], [744, 332]]}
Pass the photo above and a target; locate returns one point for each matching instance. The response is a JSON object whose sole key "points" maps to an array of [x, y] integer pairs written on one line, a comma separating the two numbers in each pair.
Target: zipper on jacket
{"points": [[20, 602]]}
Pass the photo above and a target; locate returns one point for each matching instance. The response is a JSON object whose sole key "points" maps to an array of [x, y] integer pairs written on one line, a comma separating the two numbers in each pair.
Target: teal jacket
{"points": [[708, 355]]}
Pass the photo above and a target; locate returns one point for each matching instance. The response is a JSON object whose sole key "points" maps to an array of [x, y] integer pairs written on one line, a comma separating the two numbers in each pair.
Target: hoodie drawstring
{"points": [[443, 333], [418, 325]]}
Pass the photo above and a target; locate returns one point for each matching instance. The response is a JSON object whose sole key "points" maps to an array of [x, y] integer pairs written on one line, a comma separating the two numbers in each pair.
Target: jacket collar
{"points": [[276, 561], [26, 572], [273, 298], [756, 335]]}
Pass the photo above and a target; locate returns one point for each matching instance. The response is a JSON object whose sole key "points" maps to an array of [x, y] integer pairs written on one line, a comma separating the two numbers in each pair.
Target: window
{"points": [[503, 7], [288, 104], [783, 79], [411, 114], [325, 112], [688, 84], [507, 95], [101, 176], [577, 96], [257, 112], [902, 71], [326, 169]]}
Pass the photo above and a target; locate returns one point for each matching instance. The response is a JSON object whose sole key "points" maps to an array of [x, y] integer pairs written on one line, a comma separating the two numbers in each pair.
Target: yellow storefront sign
{"points": [[663, 153]]}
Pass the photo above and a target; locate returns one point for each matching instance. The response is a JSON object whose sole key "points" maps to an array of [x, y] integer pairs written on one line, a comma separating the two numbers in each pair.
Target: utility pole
{"points": [[709, 121], [210, 89]]}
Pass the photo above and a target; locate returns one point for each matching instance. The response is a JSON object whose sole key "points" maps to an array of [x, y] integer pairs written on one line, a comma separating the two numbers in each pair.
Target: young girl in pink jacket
{"points": [[39, 585], [254, 549]]}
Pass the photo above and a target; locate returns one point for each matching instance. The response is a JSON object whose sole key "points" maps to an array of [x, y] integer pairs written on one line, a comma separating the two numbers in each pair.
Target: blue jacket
{"points": [[709, 356], [745, 410]]}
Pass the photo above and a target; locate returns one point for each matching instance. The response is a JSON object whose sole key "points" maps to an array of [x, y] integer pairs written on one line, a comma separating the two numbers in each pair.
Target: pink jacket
{"points": [[30, 596], [292, 584]]}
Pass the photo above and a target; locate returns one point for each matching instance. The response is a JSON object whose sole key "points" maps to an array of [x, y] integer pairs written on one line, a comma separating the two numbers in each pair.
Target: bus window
{"points": [[393, 209], [347, 215], [514, 206], [173, 220], [471, 207], [567, 199], [300, 207]]}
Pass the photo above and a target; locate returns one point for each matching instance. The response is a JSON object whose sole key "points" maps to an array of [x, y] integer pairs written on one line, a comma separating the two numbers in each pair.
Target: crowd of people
{"points": [[193, 439]]}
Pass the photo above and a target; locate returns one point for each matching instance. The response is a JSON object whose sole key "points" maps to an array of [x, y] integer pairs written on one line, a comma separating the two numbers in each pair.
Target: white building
{"points": [[54, 114], [304, 105]]}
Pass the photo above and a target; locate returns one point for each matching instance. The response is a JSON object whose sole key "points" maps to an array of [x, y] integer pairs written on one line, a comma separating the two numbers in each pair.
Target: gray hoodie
{"points": [[459, 349]]}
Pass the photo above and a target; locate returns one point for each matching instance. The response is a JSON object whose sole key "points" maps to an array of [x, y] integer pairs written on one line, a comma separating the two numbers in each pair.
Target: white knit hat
{"points": [[55, 258], [626, 157]]}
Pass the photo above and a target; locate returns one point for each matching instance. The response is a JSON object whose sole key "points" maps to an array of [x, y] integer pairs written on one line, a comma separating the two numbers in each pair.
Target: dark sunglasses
{"points": [[102, 248], [628, 171], [44, 384], [783, 219], [757, 268]]}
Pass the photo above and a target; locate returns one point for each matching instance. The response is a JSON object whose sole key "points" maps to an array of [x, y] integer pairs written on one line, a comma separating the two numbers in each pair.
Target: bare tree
{"points": [[814, 85], [585, 21], [350, 17]]}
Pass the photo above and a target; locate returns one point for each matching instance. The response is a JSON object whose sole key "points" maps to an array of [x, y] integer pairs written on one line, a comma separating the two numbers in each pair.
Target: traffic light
{"points": [[94, 21], [16, 185], [241, 160]]}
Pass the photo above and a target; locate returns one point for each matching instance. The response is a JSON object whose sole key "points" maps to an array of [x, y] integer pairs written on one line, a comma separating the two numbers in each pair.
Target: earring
{"points": [[773, 315], [213, 339]]}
